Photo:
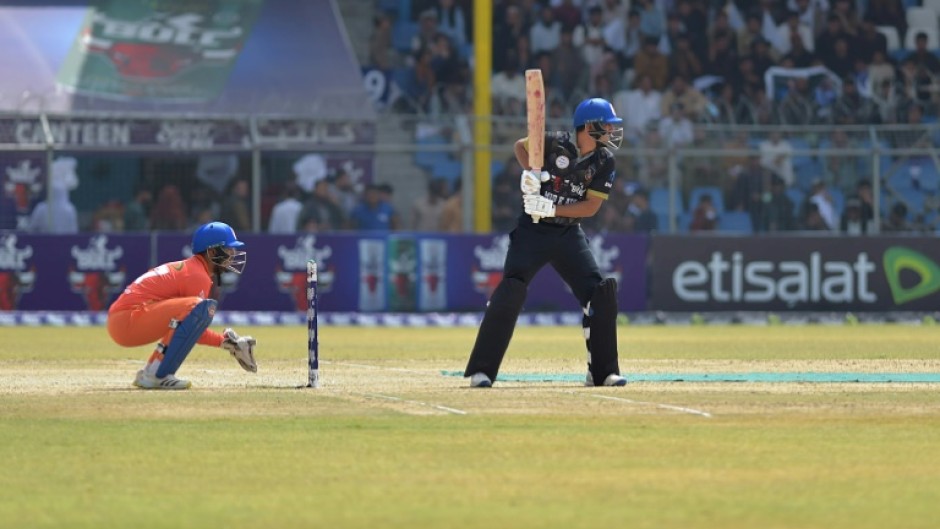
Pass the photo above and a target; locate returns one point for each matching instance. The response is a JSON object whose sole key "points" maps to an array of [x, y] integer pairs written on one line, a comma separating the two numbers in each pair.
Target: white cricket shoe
{"points": [[480, 380], [612, 380], [147, 380]]}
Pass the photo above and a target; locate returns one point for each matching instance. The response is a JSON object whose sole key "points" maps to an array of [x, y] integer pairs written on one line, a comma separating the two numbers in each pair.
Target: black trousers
{"points": [[564, 247]]}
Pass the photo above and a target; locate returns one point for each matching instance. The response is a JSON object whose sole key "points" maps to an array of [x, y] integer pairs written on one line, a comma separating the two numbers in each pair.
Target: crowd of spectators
{"points": [[680, 70]]}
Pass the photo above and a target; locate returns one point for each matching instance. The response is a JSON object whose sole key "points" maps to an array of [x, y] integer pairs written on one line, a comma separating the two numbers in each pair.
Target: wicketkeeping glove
{"points": [[538, 206], [242, 348], [530, 182]]}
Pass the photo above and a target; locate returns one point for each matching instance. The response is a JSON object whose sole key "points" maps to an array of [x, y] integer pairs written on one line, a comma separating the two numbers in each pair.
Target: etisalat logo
{"points": [[735, 280], [95, 273], [291, 273], [16, 275]]}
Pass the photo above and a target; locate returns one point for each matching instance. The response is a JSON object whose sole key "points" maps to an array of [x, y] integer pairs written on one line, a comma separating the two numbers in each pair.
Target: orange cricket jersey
{"points": [[142, 312], [179, 279]]}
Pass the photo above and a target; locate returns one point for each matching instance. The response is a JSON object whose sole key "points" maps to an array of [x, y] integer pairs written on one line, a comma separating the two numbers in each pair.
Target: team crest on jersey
{"points": [[95, 273], [17, 274], [487, 270], [291, 272]]}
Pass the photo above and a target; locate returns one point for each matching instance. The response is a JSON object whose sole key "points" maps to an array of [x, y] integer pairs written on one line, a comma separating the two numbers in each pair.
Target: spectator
{"points": [[590, 37], [820, 196], [826, 40], [704, 216], [747, 193], [916, 84], [845, 10], [897, 219], [722, 57], [653, 163], [842, 61], [57, 214], [676, 129], [568, 14], [810, 12], [426, 209], [649, 61], [776, 155], [321, 211], [570, 68], [506, 34], [790, 30], [870, 41], [777, 213], [796, 107], [452, 212], [168, 211], [693, 102], [865, 197], [852, 222], [236, 206], [286, 213], [425, 79], [639, 107], [851, 108], [639, 217], [545, 34], [763, 57], [750, 33], [652, 20], [344, 189], [380, 43], [799, 55], [670, 38], [627, 40], [684, 62], [841, 170], [427, 29], [508, 88], [887, 13], [925, 61], [452, 22], [137, 212], [880, 71], [694, 18], [373, 214], [812, 220]]}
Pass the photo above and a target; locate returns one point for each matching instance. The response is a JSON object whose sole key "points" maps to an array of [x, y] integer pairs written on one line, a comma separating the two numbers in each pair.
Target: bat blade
{"points": [[535, 119]]}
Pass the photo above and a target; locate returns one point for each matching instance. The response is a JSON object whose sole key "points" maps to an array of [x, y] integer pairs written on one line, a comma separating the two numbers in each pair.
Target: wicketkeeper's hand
{"points": [[531, 181], [242, 348], [538, 206]]}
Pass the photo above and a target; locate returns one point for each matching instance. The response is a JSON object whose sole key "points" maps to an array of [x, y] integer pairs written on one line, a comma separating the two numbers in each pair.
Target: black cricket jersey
{"points": [[573, 178]]}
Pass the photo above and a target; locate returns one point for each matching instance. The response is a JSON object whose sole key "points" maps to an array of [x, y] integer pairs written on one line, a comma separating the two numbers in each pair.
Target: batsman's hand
{"points": [[538, 206], [242, 348], [531, 181]]}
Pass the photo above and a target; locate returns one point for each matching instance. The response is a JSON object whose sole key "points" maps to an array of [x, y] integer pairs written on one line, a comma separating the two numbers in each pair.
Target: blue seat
{"points": [[402, 34], [806, 173], [735, 222], [914, 200], [407, 81], [496, 168], [838, 199], [796, 195], [659, 200], [714, 191], [449, 170], [683, 221]]}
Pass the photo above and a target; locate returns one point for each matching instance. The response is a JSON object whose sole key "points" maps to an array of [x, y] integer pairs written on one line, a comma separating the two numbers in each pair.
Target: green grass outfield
{"points": [[389, 441]]}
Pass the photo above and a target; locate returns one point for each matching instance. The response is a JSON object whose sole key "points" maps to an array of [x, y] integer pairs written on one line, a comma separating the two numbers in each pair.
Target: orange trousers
{"points": [[151, 323]]}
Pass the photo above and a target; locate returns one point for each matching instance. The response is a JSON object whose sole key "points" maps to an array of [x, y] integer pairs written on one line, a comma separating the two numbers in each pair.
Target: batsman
{"points": [[577, 178], [173, 305]]}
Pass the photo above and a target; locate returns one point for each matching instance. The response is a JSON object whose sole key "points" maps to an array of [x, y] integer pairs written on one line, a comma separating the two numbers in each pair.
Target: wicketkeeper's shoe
{"points": [[612, 380], [146, 380], [480, 380]]}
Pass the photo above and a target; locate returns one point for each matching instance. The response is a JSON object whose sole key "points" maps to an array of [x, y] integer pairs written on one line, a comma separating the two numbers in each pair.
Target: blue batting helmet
{"points": [[215, 235], [593, 114]]}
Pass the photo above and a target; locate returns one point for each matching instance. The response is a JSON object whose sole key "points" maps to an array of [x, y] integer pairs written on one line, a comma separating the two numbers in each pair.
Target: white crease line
{"points": [[692, 411], [398, 369], [418, 402]]}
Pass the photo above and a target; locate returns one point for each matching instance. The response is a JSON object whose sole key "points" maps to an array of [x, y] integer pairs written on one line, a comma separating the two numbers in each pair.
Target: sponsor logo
{"points": [[734, 279], [291, 272], [562, 162], [17, 276], [896, 260], [606, 258], [487, 271], [22, 185], [95, 273]]}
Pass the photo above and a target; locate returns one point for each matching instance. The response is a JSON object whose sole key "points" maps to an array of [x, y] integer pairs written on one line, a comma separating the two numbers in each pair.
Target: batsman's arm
{"points": [[520, 149], [583, 209]]}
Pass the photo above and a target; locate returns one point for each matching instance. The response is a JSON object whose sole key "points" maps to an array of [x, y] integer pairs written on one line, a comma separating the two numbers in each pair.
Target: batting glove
{"points": [[242, 348], [538, 206], [531, 181]]}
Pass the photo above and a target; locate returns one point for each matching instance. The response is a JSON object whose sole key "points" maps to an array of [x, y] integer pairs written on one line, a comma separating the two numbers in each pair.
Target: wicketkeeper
{"points": [[173, 305], [578, 177]]}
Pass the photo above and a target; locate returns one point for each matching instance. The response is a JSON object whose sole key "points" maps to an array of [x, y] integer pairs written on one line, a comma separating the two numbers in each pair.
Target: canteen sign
{"points": [[795, 273]]}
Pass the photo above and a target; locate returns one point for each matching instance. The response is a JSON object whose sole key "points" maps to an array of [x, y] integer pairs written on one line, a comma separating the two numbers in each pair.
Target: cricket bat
{"points": [[535, 120]]}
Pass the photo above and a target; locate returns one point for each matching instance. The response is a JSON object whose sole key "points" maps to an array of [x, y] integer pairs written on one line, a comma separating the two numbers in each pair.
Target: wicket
{"points": [[313, 345]]}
